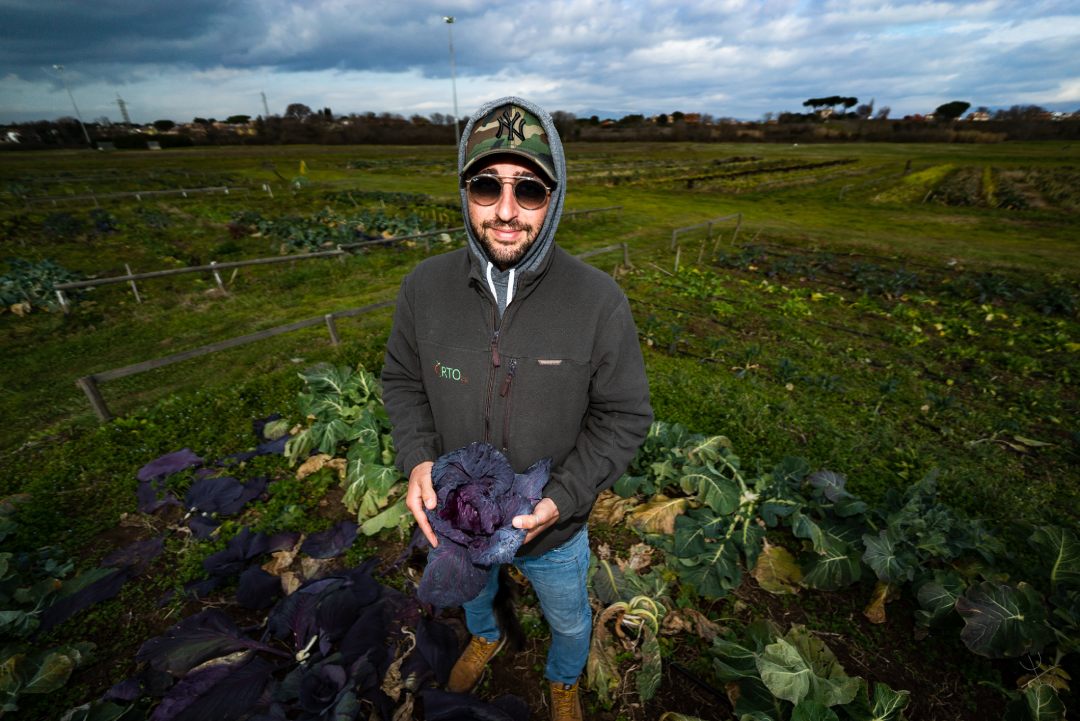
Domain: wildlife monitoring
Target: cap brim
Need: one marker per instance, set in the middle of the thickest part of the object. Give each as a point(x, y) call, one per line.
point(549, 172)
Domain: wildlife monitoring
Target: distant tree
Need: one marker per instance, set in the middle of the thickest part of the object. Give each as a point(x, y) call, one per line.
point(830, 101)
point(565, 122)
point(200, 121)
point(419, 120)
point(329, 116)
point(865, 110)
point(594, 120)
point(1021, 112)
point(661, 119)
point(883, 113)
point(678, 116)
point(767, 117)
point(297, 111)
point(238, 119)
point(164, 125)
point(440, 119)
point(951, 110)
point(630, 121)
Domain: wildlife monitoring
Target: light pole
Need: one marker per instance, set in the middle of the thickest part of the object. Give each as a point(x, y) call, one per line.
point(78, 115)
point(449, 20)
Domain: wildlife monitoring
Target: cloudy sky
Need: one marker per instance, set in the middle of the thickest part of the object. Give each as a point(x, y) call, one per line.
point(731, 58)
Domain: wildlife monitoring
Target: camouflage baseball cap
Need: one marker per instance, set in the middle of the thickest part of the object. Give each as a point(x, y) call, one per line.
point(510, 129)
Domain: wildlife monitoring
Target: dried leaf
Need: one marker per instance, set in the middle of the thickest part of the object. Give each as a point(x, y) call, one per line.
point(776, 571)
point(875, 610)
point(290, 582)
point(282, 560)
point(602, 669)
point(610, 509)
point(689, 620)
point(640, 558)
point(658, 515)
point(317, 462)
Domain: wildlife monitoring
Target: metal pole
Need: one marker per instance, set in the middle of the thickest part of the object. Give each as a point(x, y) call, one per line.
point(449, 20)
point(78, 115)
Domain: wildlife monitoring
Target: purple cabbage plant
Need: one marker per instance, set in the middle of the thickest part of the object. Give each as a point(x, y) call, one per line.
point(478, 496)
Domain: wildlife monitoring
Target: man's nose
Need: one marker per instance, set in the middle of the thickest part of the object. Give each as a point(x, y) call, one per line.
point(507, 206)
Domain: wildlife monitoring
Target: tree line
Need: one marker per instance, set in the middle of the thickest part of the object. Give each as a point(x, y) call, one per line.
point(832, 118)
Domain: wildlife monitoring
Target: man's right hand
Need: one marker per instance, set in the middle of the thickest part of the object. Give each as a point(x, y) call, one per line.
point(421, 495)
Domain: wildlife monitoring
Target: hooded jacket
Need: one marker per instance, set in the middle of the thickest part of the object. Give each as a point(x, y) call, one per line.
point(556, 374)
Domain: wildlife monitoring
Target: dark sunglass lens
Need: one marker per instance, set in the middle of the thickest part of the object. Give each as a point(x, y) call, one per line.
point(485, 190)
point(530, 194)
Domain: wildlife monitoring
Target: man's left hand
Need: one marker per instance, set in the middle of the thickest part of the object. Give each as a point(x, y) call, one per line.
point(544, 515)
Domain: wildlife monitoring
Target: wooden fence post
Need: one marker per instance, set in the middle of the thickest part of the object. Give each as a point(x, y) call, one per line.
point(678, 252)
point(134, 288)
point(716, 243)
point(626, 255)
point(217, 277)
point(63, 302)
point(332, 327)
point(89, 387)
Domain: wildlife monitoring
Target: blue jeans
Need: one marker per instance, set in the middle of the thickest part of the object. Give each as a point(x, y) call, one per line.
point(559, 579)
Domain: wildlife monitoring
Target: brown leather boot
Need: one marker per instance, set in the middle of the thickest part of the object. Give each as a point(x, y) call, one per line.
point(470, 665)
point(565, 702)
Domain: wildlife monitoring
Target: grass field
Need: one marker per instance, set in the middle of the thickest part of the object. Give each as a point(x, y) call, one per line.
point(884, 311)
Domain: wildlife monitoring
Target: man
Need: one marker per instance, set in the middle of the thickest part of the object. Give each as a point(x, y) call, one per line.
point(514, 342)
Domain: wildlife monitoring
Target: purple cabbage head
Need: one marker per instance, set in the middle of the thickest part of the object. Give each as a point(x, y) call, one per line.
point(478, 496)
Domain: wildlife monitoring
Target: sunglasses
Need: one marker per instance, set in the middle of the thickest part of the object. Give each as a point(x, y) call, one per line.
point(486, 189)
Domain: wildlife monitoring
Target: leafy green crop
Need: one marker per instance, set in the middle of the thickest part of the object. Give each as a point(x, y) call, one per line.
point(796, 676)
point(33, 285)
point(344, 409)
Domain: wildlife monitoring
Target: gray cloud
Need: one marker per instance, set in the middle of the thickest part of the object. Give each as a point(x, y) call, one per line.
point(728, 57)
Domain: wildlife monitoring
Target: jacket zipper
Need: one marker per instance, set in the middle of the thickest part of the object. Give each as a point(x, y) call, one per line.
point(495, 363)
point(505, 393)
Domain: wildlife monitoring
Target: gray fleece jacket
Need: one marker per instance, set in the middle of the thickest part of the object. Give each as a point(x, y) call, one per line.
point(558, 374)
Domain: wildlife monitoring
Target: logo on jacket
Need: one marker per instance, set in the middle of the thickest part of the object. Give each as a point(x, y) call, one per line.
point(450, 374)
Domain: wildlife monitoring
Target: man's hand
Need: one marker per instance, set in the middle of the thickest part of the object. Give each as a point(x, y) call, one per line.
point(544, 515)
point(421, 495)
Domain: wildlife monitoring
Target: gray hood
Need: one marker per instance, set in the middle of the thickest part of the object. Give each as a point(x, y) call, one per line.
point(503, 284)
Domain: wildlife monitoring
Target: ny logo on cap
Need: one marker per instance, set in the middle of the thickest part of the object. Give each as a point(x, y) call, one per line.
point(513, 125)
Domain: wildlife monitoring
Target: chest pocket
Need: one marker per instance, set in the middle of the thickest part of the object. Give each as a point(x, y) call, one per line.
point(546, 406)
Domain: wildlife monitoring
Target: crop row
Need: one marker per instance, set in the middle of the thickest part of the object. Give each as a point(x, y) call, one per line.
point(988, 187)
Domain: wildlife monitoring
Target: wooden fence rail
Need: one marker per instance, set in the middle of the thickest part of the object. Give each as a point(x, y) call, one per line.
point(89, 383)
point(139, 194)
point(709, 235)
point(214, 267)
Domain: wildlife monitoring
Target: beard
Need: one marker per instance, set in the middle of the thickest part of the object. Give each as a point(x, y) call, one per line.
point(502, 256)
